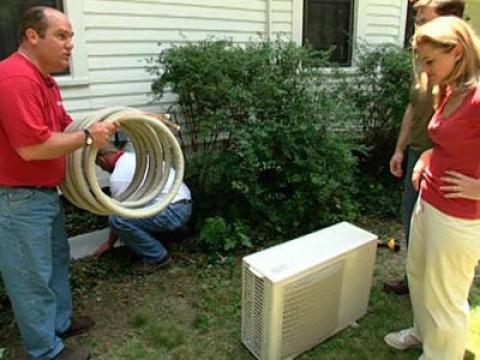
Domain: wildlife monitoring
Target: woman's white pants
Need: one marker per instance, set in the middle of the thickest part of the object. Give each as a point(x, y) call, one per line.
point(442, 256)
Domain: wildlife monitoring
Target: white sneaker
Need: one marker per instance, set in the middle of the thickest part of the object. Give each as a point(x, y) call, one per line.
point(402, 340)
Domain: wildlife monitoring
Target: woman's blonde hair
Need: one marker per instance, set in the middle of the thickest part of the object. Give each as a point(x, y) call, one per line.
point(446, 33)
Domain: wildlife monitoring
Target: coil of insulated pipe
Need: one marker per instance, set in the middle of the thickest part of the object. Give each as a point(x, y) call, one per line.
point(156, 151)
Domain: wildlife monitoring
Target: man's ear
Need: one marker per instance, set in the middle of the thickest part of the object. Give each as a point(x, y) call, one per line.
point(31, 36)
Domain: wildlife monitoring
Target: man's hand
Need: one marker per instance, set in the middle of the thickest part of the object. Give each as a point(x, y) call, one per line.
point(396, 164)
point(460, 186)
point(102, 132)
point(105, 247)
point(403, 138)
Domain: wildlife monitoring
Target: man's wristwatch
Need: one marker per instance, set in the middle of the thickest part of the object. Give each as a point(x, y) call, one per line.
point(88, 137)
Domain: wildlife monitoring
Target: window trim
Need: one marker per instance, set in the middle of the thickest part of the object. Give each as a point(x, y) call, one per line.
point(403, 24)
point(78, 75)
point(297, 31)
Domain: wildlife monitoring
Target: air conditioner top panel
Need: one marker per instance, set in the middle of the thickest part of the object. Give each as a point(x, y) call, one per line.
point(287, 259)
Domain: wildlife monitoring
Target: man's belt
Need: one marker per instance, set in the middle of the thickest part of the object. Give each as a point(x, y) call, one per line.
point(32, 187)
point(182, 201)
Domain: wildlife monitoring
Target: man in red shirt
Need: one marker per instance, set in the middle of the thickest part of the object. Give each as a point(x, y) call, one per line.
point(34, 252)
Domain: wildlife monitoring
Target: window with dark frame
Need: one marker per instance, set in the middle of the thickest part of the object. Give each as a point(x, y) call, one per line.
point(10, 14)
point(328, 25)
point(410, 26)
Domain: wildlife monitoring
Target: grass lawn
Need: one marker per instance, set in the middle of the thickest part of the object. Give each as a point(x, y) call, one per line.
point(192, 310)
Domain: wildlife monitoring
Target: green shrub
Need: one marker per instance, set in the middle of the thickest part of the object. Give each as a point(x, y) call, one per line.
point(262, 163)
point(79, 221)
point(216, 233)
point(379, 90)
point(378, 198)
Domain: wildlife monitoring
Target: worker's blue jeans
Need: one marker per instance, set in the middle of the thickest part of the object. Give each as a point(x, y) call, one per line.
point(136, 234)
point(410, 195)
point(34, 262)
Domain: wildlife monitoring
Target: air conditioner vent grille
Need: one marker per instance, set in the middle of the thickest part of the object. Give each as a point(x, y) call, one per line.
point(305, 321)
point(299, 293)
point(253, 312)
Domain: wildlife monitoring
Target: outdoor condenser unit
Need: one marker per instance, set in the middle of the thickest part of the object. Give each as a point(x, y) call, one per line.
point(301, 292)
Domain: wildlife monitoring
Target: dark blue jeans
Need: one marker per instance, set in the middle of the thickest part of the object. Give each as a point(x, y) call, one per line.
point(410, 195)
point(34, 262)
point(136, 234)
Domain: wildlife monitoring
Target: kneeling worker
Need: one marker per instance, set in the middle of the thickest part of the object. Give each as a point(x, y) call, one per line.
point(137, 234)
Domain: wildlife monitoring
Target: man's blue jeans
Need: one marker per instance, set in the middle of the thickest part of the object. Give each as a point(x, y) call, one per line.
point(136, 234)
point(34, 263)
point(410, 195)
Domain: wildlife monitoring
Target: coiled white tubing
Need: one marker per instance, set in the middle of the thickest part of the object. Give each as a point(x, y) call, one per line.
point(156, 150)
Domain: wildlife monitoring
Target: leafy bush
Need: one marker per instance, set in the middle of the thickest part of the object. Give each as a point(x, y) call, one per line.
point(216, 231)
point(79, 221)
point(379, 90)
point(378, 197)
point(380, 93)
point(262, 163)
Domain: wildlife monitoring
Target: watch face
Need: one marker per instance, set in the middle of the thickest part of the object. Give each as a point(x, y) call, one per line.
point(88, 138)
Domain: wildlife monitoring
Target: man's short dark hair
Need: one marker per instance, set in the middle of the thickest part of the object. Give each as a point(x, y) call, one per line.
point(33, 18)
point(450, 7)
point(444, 7)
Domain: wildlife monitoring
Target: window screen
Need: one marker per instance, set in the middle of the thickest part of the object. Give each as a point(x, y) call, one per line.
point(327, 25)
point(10, 14)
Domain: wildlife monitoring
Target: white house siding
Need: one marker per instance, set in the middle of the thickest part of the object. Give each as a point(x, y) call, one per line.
point(116, 36)
point(120, 34)
point(282, 18)
point(381, 21)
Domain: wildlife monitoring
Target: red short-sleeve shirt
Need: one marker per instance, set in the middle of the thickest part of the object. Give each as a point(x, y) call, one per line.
point(456, 142)
point(30, 110)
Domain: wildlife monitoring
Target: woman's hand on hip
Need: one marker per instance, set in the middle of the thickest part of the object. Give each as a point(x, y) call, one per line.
point(420, 167)
point(458, 185)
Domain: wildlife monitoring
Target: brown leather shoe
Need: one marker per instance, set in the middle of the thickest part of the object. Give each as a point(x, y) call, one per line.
point(144, 267)
point(82, 353)
point(78, 326)
point(396, 287)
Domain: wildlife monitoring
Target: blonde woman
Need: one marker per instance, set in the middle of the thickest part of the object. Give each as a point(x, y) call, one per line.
point(445, 230)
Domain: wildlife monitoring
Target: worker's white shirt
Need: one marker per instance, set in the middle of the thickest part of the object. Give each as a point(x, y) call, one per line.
point(123, 173)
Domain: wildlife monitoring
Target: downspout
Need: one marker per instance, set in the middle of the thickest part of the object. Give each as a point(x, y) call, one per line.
point(269, 20)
